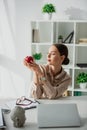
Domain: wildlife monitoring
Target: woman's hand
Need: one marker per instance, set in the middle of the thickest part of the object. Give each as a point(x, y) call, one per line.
point(33, 67)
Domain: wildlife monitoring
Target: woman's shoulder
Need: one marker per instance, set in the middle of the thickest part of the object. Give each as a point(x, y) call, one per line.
point(64, 72)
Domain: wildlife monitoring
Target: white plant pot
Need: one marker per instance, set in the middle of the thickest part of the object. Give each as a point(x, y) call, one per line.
point(83, 85)
point(47, 16)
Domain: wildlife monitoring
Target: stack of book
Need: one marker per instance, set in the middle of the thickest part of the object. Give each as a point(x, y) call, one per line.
point(77, 93)
point(83, 41)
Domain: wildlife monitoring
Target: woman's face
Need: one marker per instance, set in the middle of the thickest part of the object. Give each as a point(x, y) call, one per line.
point(54, 57)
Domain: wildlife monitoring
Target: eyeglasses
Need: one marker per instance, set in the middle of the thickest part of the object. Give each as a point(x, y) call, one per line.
point(25, 101)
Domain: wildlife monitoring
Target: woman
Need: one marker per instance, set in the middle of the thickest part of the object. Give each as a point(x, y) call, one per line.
point(50, 80)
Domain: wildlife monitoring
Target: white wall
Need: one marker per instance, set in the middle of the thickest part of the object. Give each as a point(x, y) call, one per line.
point(72, 9)
point(15, 17)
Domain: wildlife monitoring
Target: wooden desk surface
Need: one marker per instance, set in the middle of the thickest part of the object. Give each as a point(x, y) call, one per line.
point(31, 114)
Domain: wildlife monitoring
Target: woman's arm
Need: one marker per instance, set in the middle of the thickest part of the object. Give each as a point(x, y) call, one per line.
point(37, 91)
point(35, 87)
point(35, 78)
point(56, 91)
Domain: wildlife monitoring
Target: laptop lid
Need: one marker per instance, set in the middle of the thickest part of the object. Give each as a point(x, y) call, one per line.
point(57, 115)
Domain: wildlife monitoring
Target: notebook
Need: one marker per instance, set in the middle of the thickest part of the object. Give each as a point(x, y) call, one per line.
point(58, 115)
point(2, 121)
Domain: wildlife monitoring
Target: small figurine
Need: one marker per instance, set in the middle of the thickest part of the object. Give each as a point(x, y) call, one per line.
point(18, 116)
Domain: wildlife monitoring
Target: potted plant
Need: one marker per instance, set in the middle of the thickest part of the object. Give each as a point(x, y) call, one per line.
point(60, 39)
point(49, 9)
point(37, 56)
point(81, 79)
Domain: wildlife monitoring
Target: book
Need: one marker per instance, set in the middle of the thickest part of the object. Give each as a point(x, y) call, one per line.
point(2, 121)
point(35, 35)
point(82, 65)
point(83, 40)
point(77, 93)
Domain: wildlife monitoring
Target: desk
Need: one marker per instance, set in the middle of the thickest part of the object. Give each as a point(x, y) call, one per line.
point(31, 114)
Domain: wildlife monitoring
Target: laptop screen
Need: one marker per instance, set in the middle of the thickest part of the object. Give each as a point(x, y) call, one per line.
point(58, 115)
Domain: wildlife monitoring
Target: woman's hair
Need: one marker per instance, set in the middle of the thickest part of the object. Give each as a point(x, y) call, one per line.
point(63, 50)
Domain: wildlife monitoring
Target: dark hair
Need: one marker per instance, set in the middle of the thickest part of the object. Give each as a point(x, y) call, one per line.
point(63, 50)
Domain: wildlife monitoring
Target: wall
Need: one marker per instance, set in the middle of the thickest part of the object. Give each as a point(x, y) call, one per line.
point(70, 9)
point(15, 17)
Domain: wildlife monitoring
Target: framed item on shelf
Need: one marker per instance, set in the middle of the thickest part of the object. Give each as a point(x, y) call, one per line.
point(69, 38)
point(35, 35)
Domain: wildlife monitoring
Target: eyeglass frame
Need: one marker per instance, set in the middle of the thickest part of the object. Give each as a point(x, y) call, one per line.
point(23, 98)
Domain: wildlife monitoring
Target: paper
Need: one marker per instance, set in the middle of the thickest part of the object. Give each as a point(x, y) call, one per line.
point(26, 105)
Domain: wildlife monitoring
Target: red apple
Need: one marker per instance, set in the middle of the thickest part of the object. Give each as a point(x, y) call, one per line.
point(29, 59)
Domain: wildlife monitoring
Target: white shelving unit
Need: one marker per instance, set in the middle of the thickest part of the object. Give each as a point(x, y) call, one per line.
point(45, 33)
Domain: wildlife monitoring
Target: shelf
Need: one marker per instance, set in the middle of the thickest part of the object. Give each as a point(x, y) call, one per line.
point(44, 43)
point(80, 90)
point(69, 44)
point(80, 68)
point(81, 45)
point(67, 66)
point(70, 89)
point(48, 32)
point(74, 21)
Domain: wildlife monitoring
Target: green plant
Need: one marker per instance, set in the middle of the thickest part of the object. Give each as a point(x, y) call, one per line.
point(81, 78)
point(48, 8)
point(60, 37)
point(37, 56)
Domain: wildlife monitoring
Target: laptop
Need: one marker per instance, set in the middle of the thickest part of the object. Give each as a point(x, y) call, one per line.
point(58, 115)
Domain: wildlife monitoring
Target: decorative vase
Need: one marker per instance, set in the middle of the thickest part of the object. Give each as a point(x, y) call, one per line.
point(83, 85)
point(60, 41)
point(47, 16)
